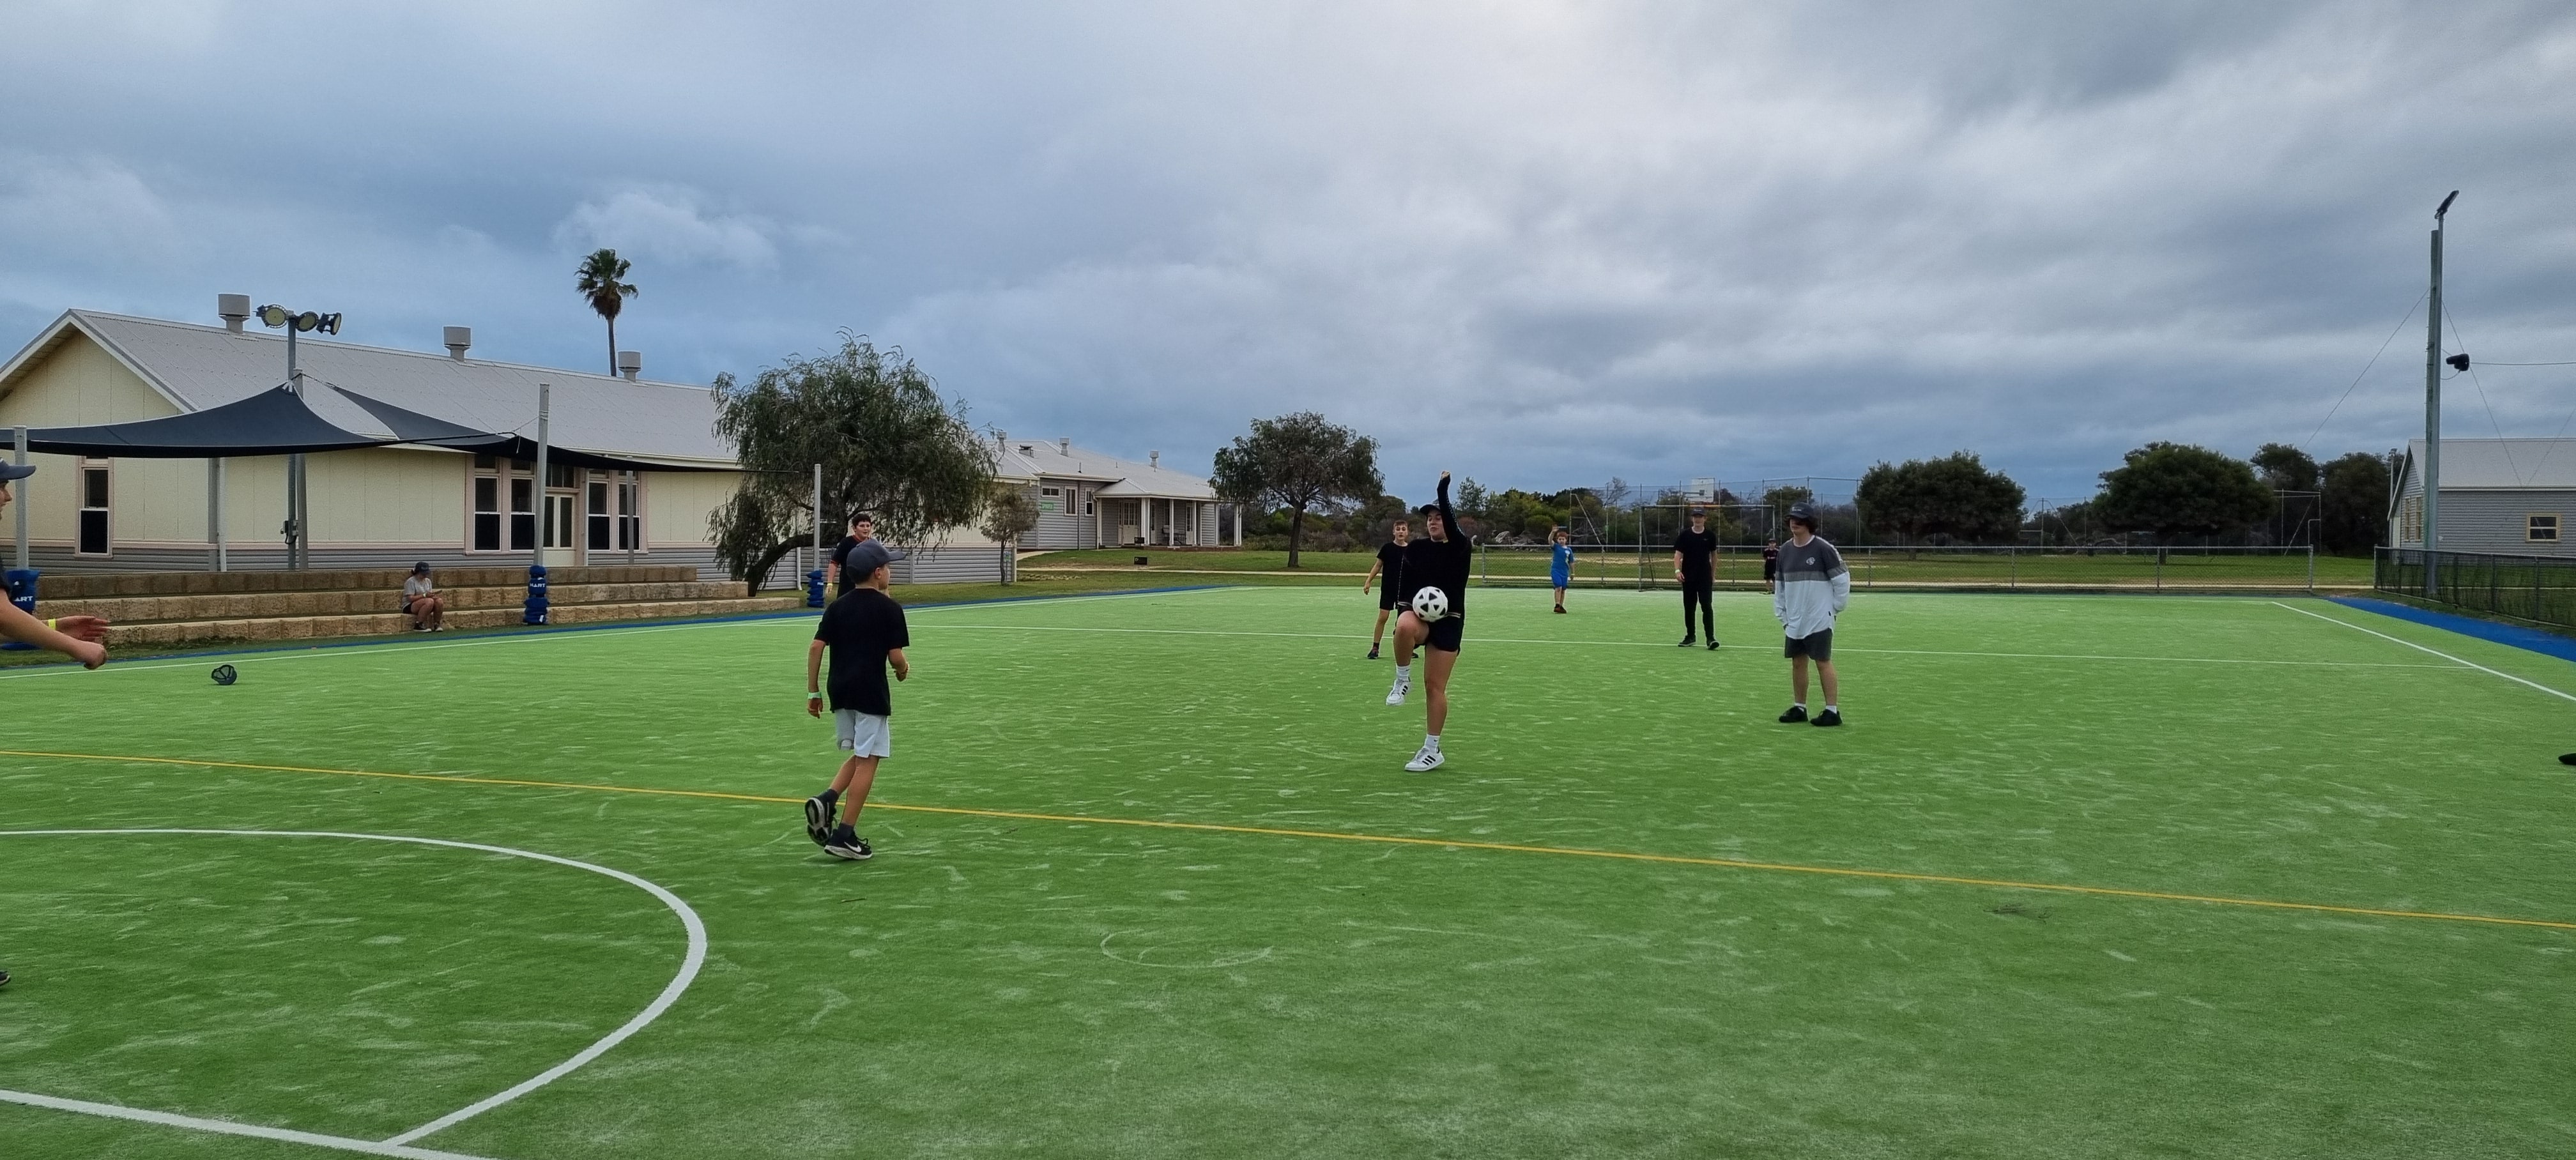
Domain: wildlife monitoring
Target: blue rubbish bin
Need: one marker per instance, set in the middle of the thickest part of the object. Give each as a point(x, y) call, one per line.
point(536, 607)
point(22, 592)
point(814, 589)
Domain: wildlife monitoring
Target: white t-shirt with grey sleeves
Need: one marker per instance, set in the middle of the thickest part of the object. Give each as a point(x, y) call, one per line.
point(1814, 587)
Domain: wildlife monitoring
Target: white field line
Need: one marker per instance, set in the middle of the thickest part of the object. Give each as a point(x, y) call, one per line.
point(326, 651)
point(2436, 652)
point(689, 964)
point(1654, 644)
point(227, 1127)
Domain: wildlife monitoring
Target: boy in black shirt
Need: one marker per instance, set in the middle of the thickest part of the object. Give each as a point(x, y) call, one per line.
point(1390, 561)
point(1440, 560)
point(865, 631)
point(1695, 565)
point(863, 528)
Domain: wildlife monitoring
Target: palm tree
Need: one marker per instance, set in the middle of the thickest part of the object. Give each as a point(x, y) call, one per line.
point(602, 285)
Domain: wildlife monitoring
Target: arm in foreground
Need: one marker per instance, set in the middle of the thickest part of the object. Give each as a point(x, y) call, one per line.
point(814, 680)
point(80, 644)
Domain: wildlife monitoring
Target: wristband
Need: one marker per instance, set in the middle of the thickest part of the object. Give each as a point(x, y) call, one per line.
point(54, 625)
point(812, 696)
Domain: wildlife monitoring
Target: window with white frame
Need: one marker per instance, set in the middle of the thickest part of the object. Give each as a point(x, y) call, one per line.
point(1050, 500)
point(2540, 527)
point(94, 492)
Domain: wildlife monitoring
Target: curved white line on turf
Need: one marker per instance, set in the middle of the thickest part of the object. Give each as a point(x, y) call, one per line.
point(227, 1127)
point(689, 963)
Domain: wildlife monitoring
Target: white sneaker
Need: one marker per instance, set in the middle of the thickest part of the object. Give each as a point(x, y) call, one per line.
point(1395, 696)
point(1427, 760)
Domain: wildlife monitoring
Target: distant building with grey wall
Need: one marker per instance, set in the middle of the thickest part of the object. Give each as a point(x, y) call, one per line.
point(2499, 496)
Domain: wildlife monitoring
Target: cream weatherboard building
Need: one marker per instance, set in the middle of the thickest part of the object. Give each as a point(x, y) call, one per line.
point(376, 507)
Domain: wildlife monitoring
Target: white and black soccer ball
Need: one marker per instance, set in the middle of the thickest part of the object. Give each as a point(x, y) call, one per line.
point(1431, 603)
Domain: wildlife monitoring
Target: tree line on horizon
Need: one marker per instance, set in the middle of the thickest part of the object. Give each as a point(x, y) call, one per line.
point(1311, 484)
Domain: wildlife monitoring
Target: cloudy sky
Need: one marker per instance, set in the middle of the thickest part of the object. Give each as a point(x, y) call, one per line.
point(1540, 244)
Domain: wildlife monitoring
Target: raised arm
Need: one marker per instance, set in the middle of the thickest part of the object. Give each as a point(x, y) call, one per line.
point(1447, 516)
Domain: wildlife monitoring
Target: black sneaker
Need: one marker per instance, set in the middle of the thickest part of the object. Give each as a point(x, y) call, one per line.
point(1828, 718)
point(1796, 714)
point(4, 978)
point(1560, 608)
point(818, 817)
point(1712, 646)
point(846, 843)
point(1372, 652)
point(2567, 759)
point(1689, 641)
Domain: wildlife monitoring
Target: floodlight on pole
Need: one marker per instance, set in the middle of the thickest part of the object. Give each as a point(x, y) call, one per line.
point(299, 549)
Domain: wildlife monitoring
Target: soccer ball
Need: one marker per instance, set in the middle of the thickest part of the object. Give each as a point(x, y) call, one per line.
point(1431, 603)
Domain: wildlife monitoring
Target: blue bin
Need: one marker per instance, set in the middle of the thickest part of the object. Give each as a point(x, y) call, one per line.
point(535, 612)
point(814, 589)
point(22, 592)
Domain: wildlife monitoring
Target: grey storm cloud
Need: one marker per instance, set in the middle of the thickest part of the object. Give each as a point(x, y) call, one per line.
point(1541, 245)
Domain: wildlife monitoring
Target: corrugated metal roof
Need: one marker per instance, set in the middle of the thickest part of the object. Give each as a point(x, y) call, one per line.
point(208, 366)
point(2501, 463)
point(1060, 459)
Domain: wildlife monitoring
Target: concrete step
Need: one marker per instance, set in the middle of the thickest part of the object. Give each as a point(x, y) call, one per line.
point(95, 585)
point(247, 605)
point(170, 632)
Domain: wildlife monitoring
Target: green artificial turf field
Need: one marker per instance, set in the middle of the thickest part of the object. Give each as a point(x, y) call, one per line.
point(1408, 965)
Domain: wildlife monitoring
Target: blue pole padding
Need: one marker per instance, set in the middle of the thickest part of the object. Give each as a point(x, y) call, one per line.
point(536, 608)
point(22, 592)
point(814, 589)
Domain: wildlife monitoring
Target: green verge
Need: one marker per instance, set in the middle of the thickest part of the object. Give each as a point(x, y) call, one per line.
point(993, 986)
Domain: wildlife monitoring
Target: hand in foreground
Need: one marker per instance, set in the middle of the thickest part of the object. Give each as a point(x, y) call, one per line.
point(90, 654)
point(89, 628)
point(813, 706)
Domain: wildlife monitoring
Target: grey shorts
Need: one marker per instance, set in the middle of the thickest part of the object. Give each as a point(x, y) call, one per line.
point(1816, 646)
point(863, 734)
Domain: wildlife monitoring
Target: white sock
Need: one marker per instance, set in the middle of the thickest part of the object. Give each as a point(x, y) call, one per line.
point(1800, 706)
point(1832, 709)
point(1431, 741)
point(1403, 674)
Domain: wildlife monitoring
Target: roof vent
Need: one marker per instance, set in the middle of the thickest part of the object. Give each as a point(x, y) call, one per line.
point(1064, 446)
point(630, 363)
point(1028, 449)
point(459, 339)
point(1153, 459)
point(235, 309)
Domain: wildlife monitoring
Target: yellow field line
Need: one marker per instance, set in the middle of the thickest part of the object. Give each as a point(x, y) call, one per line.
point(1380, 839)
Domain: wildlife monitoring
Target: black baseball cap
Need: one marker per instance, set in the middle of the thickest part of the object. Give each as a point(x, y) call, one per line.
point(1803, 513)
point(419, 568)
point(870, 555)
point(10, 471)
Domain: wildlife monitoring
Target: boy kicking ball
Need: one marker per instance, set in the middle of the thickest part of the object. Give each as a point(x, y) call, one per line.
point(1812, 589)
point(865, 632)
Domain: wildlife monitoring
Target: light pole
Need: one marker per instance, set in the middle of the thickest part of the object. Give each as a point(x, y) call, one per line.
point(299, 549)
point(2433, 408)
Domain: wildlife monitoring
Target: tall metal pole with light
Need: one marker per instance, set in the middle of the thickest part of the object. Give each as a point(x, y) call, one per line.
point(299, 548)
point(2433, 408)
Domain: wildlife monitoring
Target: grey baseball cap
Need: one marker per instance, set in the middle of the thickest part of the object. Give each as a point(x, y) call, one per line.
point(10, 471)
point(869, 555)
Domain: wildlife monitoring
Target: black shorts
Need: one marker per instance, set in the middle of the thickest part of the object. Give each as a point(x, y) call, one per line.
point(1819, 646)
point(1387, 601)
point(1446, 632)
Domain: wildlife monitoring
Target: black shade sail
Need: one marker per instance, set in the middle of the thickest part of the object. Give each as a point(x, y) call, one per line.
point(413, 427)
point(272, 422)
